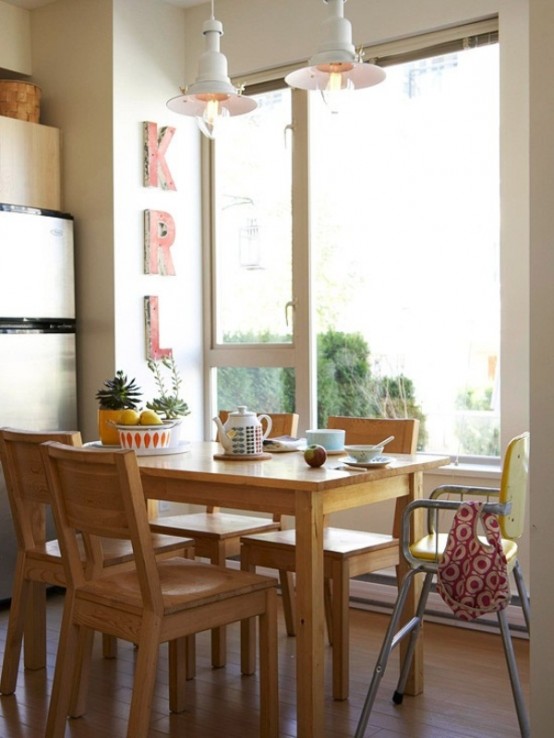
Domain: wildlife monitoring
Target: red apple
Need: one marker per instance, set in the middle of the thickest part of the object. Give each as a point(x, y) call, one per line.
point(315, 455)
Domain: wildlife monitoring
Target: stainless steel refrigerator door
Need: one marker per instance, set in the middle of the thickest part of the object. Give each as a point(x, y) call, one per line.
point(38, 384)
point(37, 392)
point(36, 266)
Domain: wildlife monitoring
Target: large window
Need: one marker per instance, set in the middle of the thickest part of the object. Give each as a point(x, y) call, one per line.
point(253, 228)
point(398, 257)
point(405, 242)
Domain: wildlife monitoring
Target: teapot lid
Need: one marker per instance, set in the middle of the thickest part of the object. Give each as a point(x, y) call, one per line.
point(242, 410)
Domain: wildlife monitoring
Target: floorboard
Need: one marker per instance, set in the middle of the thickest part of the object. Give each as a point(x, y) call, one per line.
point(467, 692)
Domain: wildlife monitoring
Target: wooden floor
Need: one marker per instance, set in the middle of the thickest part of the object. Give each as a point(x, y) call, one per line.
point(467, 691)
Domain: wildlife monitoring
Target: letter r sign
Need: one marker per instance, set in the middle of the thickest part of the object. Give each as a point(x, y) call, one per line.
point(159, 235)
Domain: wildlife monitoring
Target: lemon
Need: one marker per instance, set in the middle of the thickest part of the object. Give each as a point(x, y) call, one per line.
point(149, 417)
point(129, 417)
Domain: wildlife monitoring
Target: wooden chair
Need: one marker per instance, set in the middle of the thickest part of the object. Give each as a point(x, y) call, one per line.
point(346, 553)
point(99, 493)
point(425, 554)
point(39, 561)
point(217, 534)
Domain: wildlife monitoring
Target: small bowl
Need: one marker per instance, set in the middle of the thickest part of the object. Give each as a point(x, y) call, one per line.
point(330, 438)
point(141, 437)
point(363, 453)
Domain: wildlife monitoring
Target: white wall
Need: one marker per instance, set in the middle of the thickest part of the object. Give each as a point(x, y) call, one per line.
point(106, 67)
point(15, 39)
point(72, 63)
point(148, 69)
point(542, 360)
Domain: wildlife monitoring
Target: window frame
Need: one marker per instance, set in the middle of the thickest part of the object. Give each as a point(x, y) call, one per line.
point(471, 35)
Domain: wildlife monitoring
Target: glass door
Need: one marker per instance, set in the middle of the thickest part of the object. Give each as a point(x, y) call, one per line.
point(258, 333)
point(404, 185)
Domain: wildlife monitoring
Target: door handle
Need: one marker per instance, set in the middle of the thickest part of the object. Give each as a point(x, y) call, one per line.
point(290, 305)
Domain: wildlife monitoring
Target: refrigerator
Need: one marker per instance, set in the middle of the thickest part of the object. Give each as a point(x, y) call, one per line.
point(38, 388)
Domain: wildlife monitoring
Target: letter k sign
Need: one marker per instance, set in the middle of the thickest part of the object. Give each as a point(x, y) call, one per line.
point(156, 171)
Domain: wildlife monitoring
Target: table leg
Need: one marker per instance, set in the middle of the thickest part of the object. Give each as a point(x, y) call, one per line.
point(219, 637)
point(414, 685)
point(310, 615)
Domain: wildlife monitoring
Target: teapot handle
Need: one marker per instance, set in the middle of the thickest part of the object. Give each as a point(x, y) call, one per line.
point(269, 424)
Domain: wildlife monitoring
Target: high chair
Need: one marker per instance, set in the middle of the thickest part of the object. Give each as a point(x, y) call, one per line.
point(424, 556)
point(346, 553)
point(99, 493)
point(217, 534)
point(39, 561)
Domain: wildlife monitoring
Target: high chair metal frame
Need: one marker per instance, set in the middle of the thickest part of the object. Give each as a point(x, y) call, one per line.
point(425, 555)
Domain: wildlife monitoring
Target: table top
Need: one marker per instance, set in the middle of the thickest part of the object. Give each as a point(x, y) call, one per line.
point(283, 470)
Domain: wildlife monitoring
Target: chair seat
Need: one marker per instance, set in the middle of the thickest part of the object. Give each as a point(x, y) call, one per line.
point(214, 525)
point(337, 542)
point(116, 551)
point(429, 546)
point(217, 538)
point(185, 583)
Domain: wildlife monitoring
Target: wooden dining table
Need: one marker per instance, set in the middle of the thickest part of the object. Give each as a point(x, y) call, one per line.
point(283, 484)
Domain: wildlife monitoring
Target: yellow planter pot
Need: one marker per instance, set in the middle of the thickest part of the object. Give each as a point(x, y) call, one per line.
point(107, 432)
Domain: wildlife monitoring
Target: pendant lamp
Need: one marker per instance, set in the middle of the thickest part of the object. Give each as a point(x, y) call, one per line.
point(336, 66)
point(212, 97)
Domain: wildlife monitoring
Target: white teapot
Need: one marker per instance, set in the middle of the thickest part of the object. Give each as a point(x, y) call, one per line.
point(242, 434)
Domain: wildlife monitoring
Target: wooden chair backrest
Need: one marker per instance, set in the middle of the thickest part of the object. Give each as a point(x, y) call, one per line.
point(99, 494)
point(282, 424)
point(26, 480)
point(373, 430)
point(513, 485)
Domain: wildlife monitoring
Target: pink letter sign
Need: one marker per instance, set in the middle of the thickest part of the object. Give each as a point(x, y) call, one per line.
point(152, 324)
point(156, 171)
point(159, 235)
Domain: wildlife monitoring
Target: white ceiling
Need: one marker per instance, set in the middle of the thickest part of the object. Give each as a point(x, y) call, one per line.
point(31, 4)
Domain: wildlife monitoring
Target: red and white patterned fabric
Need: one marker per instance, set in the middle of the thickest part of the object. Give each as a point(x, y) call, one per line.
point(472, 576)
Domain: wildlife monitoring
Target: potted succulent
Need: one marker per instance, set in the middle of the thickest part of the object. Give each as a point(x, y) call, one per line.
point(168, 403)
point(115, 395)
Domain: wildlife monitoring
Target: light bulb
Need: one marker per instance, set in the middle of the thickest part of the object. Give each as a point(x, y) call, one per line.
point(333, 80)
point(214, 111)
point(334, 84)
point(336, 76)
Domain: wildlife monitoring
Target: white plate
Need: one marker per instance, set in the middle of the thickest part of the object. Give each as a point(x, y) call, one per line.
point(180, 449)
point(282, 444)
point(278, 449)
point(375, 462)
